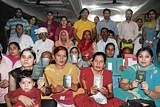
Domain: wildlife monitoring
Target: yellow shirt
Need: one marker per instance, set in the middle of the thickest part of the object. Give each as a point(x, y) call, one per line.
point(81, 26)
point(54, 75)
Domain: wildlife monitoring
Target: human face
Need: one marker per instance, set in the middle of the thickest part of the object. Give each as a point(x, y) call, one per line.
point(144, 59)
point(152, 15)
point(74, 51)
point(84, 14)
point(19, 30)
point(87, 35)
point(106, 15)
point(27, 59)
point(50, 16)
point(139, 23)
point(43, 36)
point(128, 15)
point(18, 13)
point(126, 51)
point(63, 36)
point(98, 63)
point(32, 20)
point(13, 50)
point(96, 20)
point(61, 58)
point(26, 84)
point(104, 34)
point(110, 51)
point(64, 21)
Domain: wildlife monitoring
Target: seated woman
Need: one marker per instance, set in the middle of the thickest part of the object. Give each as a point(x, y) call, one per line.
point(141, 81)
point(64, 40)
point(62, 77)
point(88, 83)
point(13, 52)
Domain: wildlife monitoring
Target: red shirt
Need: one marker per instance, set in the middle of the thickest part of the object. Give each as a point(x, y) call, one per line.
point(34, 94)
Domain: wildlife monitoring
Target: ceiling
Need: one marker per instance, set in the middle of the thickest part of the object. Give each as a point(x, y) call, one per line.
point(71, 8)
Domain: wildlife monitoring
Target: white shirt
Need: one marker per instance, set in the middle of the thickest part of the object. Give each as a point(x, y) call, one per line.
point(42, 46)
point(127, 30)
point(25, 41)
point(101, 46)
point(5, 68)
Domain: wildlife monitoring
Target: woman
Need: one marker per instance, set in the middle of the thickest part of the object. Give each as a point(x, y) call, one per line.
point(141, 81)
point(14, 52)
point(91, 88)
point(64, 40)
point(83, 24)
point(110, 50)
point(34, 26)
point(55, 75)
point(150, 33)
point(64, 26)
point(87, 46)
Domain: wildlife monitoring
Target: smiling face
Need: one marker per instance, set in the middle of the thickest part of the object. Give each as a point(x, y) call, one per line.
point(26, 84)
point(98, 63)
point(144, 59)
point(27, 59)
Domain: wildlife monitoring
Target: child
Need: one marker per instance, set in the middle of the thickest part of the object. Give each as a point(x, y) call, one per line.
point(26, 89)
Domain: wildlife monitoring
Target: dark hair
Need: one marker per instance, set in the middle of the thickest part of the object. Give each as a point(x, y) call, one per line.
point(29, 49)
point(84, 10)
point(15, 43)
point(129, 10)
point(104, 28)
point(0, 55)
point(64, 17)
point(139, 19)
point(57, 49)
point(106, 9)
point(97, 54)
point(110, 31)
point(149, 50)
point(34, 17)
point(74, 48)
point(97, 17)
point(16, 9)
point(49, 12)
point(153, 10)
point(24, 74)
point(18, 24)
point(108, 44)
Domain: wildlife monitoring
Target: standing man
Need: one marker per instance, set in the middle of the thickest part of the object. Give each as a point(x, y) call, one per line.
point(51, 25)
point(106, 23)
point(11, 24)
point(127, 30)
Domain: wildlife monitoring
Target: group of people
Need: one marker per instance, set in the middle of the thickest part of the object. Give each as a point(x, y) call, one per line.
point(65, 66)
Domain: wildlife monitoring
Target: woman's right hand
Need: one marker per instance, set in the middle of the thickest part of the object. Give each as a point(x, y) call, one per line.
point(26, 101)
point(93, 90)
point(135, 84)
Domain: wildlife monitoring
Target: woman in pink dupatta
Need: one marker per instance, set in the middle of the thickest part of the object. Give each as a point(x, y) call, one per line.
point(64, 40)
point(87, 83)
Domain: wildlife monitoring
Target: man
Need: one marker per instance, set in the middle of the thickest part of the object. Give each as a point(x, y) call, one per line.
point(25, 41)
point(51, 25)
point(107, 23)
point(105, 40)
point(5, 68)
point(11, 24)
point(43, 44)
point(128, 30)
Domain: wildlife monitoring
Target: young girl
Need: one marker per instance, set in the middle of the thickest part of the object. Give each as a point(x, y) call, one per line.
point(26, 89)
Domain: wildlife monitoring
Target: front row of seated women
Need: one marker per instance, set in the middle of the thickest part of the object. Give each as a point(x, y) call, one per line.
point(70, 87)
